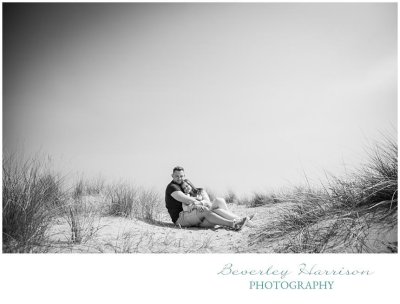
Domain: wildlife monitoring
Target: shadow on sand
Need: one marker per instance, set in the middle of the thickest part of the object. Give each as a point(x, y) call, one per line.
point(173, 226)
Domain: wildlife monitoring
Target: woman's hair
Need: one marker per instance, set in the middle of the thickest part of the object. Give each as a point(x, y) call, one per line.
point(182, 184)
point(194, 189)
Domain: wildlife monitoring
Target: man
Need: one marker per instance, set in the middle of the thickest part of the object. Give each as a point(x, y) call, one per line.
point(199, 215)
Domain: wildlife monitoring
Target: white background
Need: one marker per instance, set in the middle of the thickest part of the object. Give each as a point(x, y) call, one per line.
point(190, 278)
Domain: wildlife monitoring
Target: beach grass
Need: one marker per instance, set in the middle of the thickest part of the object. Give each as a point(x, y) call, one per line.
point(352, 213)
point(32, 196)
point(82, 215)
point(133, 202)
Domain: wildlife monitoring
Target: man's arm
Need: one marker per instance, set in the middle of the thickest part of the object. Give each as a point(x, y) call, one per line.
point(183, 198)
point(188, 200)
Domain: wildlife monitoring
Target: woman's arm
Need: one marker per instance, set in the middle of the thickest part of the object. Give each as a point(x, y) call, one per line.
point(185, 199)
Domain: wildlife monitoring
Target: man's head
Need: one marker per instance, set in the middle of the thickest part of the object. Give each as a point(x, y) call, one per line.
point(178, 175)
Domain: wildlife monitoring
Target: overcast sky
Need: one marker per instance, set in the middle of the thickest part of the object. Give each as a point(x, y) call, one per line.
point(246, 97)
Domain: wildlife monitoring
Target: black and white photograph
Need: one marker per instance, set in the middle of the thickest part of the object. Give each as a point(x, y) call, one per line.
point(202, 131)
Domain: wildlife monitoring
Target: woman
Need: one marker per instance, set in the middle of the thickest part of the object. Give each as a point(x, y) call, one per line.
point(217, 206)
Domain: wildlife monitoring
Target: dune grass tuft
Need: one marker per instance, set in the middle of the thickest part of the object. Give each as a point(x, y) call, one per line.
point(83, 216)
point(349, 214)
point(31, 198)
point(133, 202)
point(231, 197)
point(259, 199)
point(83, 221)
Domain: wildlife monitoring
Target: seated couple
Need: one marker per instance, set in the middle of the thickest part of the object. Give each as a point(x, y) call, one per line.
point(191, 207)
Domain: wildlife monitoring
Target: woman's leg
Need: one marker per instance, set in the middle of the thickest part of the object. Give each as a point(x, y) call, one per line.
point(220, 207)
point(219, 203)
point(215, 219)
point(206, 224)
point(226, 214)
point(211, 219)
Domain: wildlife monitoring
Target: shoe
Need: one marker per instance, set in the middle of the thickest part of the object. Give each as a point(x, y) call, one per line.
point(237, 226)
